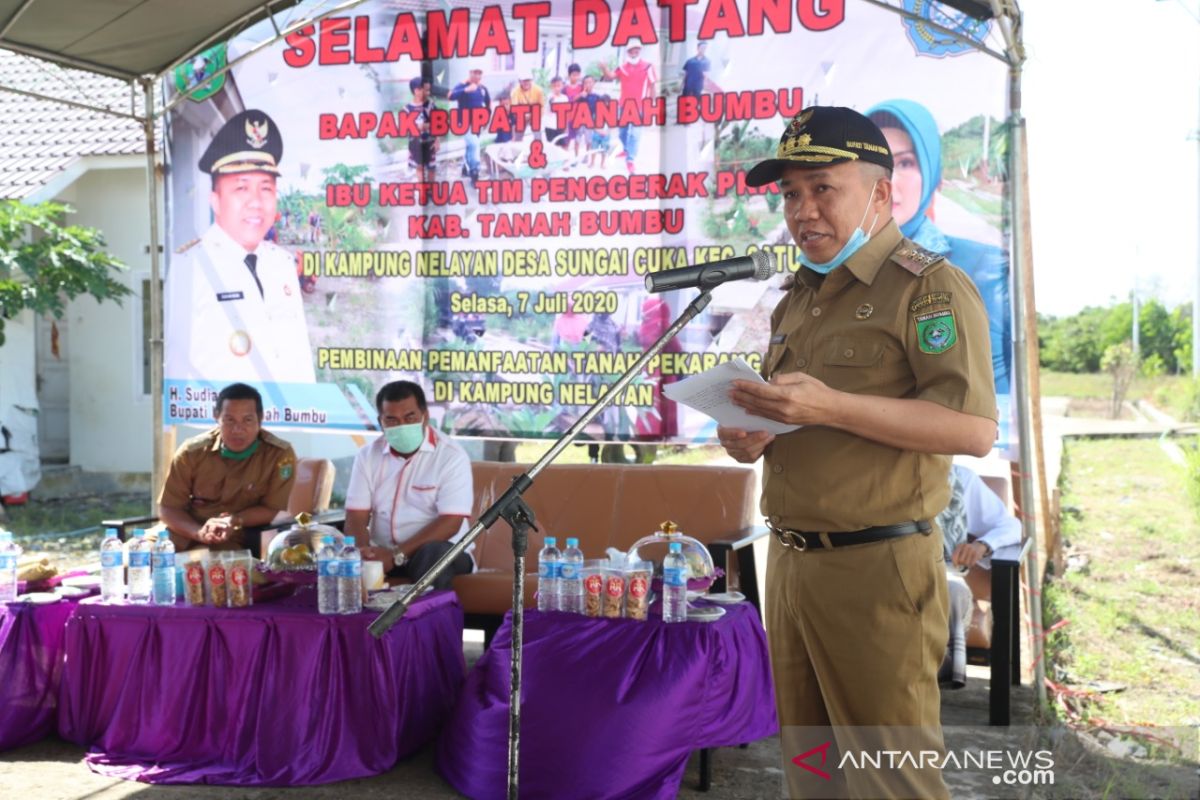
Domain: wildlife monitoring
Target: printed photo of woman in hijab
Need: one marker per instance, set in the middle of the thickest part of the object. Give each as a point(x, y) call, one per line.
point(916, 145)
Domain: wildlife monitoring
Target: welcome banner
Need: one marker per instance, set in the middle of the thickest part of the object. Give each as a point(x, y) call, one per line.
point(473, 197)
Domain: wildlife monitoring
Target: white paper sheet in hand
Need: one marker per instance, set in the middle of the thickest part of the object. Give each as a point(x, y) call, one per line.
point(709, 392)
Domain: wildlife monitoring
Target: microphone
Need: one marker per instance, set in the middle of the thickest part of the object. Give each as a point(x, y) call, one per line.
point(759, 266)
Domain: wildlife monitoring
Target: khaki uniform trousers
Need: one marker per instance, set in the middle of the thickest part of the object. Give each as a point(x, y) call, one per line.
point(856, 636)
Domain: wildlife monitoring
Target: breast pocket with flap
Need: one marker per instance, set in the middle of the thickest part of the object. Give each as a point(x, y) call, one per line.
point(851, 363)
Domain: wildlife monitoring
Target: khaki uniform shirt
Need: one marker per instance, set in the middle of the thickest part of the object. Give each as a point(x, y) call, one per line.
point(205, 485)
point(893, 321)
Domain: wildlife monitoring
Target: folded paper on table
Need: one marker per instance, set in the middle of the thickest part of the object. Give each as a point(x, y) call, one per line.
point(708, 392)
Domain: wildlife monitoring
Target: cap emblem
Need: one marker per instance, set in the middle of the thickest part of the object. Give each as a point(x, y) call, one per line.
point(257, 133)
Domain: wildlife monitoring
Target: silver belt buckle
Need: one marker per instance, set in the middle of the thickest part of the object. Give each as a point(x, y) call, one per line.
point(789, 539)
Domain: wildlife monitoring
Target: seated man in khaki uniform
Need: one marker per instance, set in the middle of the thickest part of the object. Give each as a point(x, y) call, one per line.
point(879, 350)
point(234, 477)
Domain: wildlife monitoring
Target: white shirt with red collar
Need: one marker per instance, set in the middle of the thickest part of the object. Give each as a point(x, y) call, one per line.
point(406, 494)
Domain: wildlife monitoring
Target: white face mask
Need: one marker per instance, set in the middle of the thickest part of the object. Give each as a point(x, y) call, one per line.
point(852, 245)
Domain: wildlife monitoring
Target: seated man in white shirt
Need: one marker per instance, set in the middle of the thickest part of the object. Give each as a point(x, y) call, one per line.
point(973, 509)
point(410, 490)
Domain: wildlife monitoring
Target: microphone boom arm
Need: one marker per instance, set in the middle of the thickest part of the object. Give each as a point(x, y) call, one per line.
point(521, 483)
point(511, 506)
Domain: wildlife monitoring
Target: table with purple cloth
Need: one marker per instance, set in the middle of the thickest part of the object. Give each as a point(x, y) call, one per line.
point(272, 695)
point(610, 708)
point(31, 658)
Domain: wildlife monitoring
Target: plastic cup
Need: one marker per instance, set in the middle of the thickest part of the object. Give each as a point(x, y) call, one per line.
point(637, 581)
point(373, 575)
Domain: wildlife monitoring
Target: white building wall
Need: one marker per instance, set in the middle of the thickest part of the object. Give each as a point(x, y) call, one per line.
point(17, 373)
point(110, 412)
point(19, 469)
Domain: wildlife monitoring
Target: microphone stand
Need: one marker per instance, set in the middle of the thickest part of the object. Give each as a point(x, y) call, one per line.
point(512, 508)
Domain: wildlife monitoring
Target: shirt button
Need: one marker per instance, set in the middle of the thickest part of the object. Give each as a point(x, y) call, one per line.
point(816, 312)
point(777, 469)
point(802, 362)
point(849, 352)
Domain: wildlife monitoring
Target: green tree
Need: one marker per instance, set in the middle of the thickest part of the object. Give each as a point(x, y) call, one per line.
point(1119, 362)
point(1072, 344)
point(1157, 333)
point(1181, 323)
point(44, 264)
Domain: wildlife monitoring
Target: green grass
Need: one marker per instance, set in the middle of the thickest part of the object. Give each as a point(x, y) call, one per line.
point(1167, 392)
point(73, 514)
point(1132, 598)
point(65, 530)
point(1071, 384)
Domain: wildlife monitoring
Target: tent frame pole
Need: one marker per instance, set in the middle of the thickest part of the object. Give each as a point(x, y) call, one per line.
point(156, 305)
point(1023, 309)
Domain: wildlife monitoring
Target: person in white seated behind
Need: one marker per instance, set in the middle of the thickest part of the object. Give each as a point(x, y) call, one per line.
point(973, 509)
point(410, 490)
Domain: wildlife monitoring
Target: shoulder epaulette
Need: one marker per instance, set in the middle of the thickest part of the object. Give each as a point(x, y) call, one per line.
point(275, 441)
point(914, 258)
point(201, 441)
point(184, 248)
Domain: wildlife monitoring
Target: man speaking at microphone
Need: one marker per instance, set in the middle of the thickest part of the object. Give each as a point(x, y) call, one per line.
point(879, 349)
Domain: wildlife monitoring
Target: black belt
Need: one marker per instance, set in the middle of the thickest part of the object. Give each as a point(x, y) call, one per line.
point(806, 540)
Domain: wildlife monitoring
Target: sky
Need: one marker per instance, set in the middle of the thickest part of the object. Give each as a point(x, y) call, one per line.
point(1112, 107)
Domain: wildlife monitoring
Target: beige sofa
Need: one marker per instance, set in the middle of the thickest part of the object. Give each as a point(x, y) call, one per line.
point(610, 505)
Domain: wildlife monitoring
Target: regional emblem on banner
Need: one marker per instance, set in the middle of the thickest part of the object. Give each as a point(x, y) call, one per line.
point(936, 41)
point(190, 78)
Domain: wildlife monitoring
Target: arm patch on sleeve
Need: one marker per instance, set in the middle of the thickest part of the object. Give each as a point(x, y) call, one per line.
point(936, 331)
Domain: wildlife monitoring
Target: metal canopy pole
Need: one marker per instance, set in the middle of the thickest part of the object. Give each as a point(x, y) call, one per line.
point(1023, 309)
point(156, 320)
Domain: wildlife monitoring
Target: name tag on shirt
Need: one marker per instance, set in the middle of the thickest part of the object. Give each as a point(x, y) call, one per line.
point(777, 339)
point(225, 297)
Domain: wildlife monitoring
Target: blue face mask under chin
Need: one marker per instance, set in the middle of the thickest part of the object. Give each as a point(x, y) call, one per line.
point(852, 245)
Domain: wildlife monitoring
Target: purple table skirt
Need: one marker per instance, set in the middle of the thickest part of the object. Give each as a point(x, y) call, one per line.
point(274, 695)
point(31, 658)
point(610, 708)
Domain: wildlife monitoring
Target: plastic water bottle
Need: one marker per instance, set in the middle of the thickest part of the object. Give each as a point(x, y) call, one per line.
point(9, 551)
point(112, 568)
point(548, 572)
point(349, 591)
point(327, 577)
point(139, 568)
point(570, 578)
point(163, 564)
point(675, 575)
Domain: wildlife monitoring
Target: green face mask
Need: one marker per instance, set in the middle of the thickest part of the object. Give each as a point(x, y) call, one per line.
point(405, 438)
point(242, 456)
